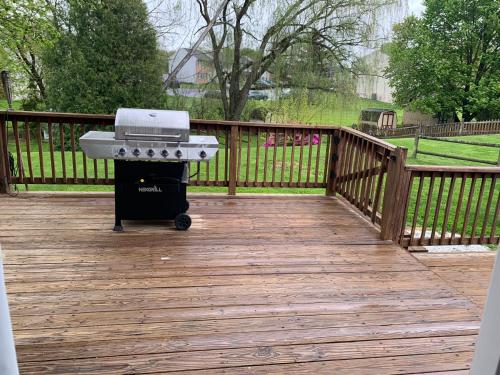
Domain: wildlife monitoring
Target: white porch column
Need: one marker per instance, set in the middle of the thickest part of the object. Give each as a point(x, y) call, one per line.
point(487, 356)
point(8, 360)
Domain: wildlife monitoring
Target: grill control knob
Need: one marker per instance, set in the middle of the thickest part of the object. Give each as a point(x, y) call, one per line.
point(151, 153)
point(121, 152)
point(178, 153)
point(136, 152)
point(164, 153)
point(203, 154)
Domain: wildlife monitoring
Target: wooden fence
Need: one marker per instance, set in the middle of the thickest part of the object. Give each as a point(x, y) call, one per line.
point(369, 173)
point(455, 156)
point(437, 130)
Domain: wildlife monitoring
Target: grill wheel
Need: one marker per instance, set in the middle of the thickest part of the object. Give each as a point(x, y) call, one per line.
point(182, 221)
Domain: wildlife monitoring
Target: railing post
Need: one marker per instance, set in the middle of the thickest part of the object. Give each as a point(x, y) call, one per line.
point(395, 195)
point(415, 143)
point(333, 166)
point(233, 160)
point(4, 159)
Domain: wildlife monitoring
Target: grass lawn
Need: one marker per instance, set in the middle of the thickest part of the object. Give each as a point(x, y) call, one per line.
point(4, 105)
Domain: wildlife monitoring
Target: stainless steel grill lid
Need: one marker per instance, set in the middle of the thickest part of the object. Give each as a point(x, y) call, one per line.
point(149, 135)
point(152, 125)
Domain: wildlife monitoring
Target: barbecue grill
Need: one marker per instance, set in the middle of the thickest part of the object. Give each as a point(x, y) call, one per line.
point(151, 151)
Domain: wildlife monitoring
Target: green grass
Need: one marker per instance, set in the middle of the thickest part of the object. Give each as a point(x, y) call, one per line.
point(16, 105)
point(478, 152)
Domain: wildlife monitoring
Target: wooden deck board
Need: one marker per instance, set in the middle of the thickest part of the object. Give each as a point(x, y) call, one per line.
point(469, 273)
point(258, 285)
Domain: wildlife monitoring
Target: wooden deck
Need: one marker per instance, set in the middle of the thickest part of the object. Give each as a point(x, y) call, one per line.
point(294, 285)
point(469, 273)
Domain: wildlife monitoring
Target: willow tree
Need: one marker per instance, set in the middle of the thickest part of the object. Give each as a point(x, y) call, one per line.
point(273, 28)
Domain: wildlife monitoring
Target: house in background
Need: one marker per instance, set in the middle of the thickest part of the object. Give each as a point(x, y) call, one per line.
point(198, 69)
point(373, 84)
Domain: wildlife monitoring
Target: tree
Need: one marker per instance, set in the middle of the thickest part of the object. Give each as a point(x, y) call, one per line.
point(446, 62)
point(272, 28)
point(106, 57)
point(26, 28)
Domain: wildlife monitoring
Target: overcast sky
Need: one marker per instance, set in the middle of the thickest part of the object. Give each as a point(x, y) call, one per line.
point(416, 6)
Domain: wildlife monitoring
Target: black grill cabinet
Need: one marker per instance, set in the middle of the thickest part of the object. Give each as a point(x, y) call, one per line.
point(151, 191)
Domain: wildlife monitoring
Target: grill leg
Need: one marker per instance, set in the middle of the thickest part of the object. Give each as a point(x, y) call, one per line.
point(118, 219)
point(118, 225)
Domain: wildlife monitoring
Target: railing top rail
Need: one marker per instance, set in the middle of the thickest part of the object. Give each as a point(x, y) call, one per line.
point(102, 117)
point(370, 138)
point(454, 169)
point(263, 124)
point(59, 115)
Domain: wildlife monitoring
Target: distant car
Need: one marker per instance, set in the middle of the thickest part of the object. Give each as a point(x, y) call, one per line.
point(212, 94)
point(262, 84)
point(257, 95)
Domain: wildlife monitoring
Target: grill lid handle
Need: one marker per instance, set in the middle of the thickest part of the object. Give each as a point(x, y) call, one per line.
point(127, 134)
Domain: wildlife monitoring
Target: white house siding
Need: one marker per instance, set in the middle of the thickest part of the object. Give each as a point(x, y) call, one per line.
point(188, 72)
point(374, 85)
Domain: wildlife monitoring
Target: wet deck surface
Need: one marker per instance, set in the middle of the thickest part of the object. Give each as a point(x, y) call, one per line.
point(258, 285)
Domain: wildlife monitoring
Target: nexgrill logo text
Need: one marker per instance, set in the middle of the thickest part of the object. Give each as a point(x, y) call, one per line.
point(154, 189)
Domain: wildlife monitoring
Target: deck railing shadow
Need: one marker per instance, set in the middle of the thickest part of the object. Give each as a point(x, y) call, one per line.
point(368, 173)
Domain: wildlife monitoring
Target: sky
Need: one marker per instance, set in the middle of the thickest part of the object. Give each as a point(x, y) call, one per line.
point(416, 6)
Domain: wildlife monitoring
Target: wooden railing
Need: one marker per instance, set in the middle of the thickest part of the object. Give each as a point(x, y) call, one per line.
point(450, 205)
point(46, 151)
point(437, 130)
point(412, 205)
point(362, 171)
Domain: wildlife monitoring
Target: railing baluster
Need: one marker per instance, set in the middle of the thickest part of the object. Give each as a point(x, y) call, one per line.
point(52, 156)
point(318, 157)
point(488, 208)
point(438, 208)
point(478, 208)
point(359, 174)
point(467, 209)
point(309, 158)
point(28, 149)
point(449, 202)
point(207, 163)
point(73, 151)
point(266, 151)
point(247, 169)
point(292, 158)
point(301, 154)
point(63, 151)
point(40, 151)
point(275, 150)
point(329, 139)
point(427, 209)
point(257, 156)
point(283, 159)
point(96, 168)
point(459, 207)
point(217, 158)
point(240, 141)
point(417, 208)
point(20, 166)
